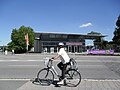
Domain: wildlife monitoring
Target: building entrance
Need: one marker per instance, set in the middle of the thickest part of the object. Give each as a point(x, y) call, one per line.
point(74, 49)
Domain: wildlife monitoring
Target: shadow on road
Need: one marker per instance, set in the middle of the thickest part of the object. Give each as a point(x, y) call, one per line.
point(36, 82)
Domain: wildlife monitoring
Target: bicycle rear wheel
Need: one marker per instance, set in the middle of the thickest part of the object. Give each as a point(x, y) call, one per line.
point(72, 78)
point(45, 76)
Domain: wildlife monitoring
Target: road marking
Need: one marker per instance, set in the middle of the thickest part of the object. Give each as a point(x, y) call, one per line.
point(84, 61)
point(44, 60)
point(101, 80)
point(15, 79)
point(19, 60)
point(91, 65)
point(24, 65)
point(33, 60)
point(14, 60)
point(27, 79)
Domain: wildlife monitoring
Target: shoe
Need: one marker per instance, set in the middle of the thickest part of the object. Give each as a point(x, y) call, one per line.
point(60, 82)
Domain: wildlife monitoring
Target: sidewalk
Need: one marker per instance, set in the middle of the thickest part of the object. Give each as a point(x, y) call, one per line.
point(84, 85)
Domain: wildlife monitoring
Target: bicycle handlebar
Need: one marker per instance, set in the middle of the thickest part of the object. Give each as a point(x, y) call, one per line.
point(50, 63)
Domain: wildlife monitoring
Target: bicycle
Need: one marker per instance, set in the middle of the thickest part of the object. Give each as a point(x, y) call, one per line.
point(72, 76)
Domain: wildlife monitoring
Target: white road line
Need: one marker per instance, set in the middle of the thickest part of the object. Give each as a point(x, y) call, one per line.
point(24, 65)
point(27, 79)
point(14, 60)
point(43, 60)
point(34, 60)
point(19, 60)
point(14, 79)
point(91, 65)
point(102, 80)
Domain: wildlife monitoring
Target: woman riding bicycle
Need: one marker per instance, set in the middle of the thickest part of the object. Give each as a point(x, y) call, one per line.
point(62, 54)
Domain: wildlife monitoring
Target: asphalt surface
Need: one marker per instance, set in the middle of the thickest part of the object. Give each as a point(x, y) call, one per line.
point(17, 71)
point(84, 85)
point(11, 84)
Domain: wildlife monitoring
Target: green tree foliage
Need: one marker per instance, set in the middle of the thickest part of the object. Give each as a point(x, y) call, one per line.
point(116, 38)
point(118, 22)
point(18, 42)
point(94, 33)
point(100, 43)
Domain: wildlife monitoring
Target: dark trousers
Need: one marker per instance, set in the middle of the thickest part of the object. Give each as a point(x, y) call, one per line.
point(62, 67)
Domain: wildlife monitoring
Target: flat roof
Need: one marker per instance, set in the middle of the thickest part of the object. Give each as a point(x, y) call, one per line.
point(87, 35)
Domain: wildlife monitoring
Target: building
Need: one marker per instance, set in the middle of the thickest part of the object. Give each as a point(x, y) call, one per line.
point(74, 43)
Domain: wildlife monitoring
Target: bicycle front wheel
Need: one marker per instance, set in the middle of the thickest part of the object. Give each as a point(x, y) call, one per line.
point(45, 76)
point(73, 78)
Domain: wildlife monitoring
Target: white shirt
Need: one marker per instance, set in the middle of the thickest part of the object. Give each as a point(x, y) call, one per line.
point(63, 56)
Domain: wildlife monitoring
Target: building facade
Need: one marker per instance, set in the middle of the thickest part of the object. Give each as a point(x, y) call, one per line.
point(48, 42)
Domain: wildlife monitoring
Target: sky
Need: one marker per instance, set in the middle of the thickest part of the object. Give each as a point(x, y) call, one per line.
point(65, 16)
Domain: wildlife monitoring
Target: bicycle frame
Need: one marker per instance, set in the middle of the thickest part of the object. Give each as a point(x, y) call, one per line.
point(54, 71)
point(51, 67)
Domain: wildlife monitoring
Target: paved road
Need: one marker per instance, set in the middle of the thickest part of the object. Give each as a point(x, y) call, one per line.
point(11, 84)
point(26, 67)
point(91, 67)
point(84, 85)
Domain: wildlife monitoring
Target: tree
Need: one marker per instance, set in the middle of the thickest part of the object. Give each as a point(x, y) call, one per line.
point(94, 33)
point(18, 42)
point(100, 43)
point(116, 38)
